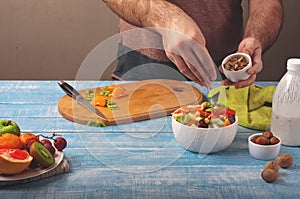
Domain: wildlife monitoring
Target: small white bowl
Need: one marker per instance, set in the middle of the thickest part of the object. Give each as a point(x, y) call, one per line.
point(263, 152)
point(238, 75)
point(204, 140)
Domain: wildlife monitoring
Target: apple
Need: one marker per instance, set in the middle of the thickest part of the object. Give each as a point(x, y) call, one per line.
point(9, 126)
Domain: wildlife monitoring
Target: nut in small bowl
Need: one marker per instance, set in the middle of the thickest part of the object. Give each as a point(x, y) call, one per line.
point(263, 147)
point(235, 66)
point(198, 136)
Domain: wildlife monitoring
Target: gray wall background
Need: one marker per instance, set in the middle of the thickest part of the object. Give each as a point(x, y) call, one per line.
point(49, 39)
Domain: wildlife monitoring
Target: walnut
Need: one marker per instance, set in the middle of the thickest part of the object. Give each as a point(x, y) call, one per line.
point(272, 165)
point(269, 175)
point(285, 160)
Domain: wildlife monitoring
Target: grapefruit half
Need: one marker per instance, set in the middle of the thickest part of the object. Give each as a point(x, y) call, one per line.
point(14, 161)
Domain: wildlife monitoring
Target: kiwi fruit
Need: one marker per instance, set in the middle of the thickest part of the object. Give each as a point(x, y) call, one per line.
point(41, 155)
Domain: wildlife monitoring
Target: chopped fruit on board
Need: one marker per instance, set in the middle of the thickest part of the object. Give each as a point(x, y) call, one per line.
point(103, 96)
point(99, 101)
point(119, 92)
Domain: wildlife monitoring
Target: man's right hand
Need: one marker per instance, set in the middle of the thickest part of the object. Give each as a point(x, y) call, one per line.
point(183, 41)
point(190, 55)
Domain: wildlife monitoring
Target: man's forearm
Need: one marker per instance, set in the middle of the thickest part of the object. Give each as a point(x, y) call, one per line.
point(265, 20)
point(143, 13)
point(159, 14)
point(147, 13)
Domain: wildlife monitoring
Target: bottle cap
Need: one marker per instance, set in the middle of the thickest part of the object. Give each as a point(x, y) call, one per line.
point(293, 64)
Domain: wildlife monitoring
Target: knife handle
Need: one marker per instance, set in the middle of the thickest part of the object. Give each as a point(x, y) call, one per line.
point(69, 90)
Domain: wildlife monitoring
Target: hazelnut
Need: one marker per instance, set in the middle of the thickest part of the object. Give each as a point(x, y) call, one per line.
point(274, 140)
point(267, 134)
point(269, 175)
point(262, 140)
point(272, 165)
point(285, 160)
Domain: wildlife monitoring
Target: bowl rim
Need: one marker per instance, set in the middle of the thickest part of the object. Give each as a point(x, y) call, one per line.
point(235, 54)
point(260, 145)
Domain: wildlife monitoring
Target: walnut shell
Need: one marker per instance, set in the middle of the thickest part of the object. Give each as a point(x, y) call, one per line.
point(269, 175)
point(285, 160)
point(272, 165)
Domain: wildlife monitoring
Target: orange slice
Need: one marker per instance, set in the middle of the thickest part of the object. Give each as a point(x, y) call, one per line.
point(100, 101)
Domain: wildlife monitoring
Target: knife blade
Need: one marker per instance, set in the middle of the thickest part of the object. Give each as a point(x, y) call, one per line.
point(72, 92)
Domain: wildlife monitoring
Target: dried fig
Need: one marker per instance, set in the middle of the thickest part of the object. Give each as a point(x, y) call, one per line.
point(262, 140)
point(267, 134)
point(274, 140)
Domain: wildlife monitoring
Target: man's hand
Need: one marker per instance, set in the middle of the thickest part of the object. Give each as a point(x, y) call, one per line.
point(185, 45)
point(183, 41)
point(262, 29)
point(252, 47)
point(191, 58)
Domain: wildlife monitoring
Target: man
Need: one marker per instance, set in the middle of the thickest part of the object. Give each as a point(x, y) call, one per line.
point(185, 34)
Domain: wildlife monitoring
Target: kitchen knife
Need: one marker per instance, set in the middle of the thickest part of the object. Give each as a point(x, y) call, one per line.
point(69, 90)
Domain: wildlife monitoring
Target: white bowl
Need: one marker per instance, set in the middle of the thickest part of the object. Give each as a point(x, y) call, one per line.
point(263, 152)
point(238, 75)
point(204, 140)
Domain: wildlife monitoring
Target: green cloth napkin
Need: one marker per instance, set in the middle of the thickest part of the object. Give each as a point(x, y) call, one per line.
point(252, 104)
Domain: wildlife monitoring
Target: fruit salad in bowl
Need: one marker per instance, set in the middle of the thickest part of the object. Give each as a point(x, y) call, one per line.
point(205, 115)
point(204, 128)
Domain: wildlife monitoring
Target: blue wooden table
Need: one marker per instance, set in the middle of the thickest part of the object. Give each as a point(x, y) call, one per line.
point(136, 160)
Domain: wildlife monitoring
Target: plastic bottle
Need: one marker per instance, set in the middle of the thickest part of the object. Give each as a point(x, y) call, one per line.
point(285, 121)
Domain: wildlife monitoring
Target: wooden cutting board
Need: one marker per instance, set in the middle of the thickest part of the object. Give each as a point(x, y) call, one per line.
point(146, 99)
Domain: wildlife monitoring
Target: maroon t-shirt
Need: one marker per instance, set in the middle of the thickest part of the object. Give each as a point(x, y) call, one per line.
point(221, 22)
